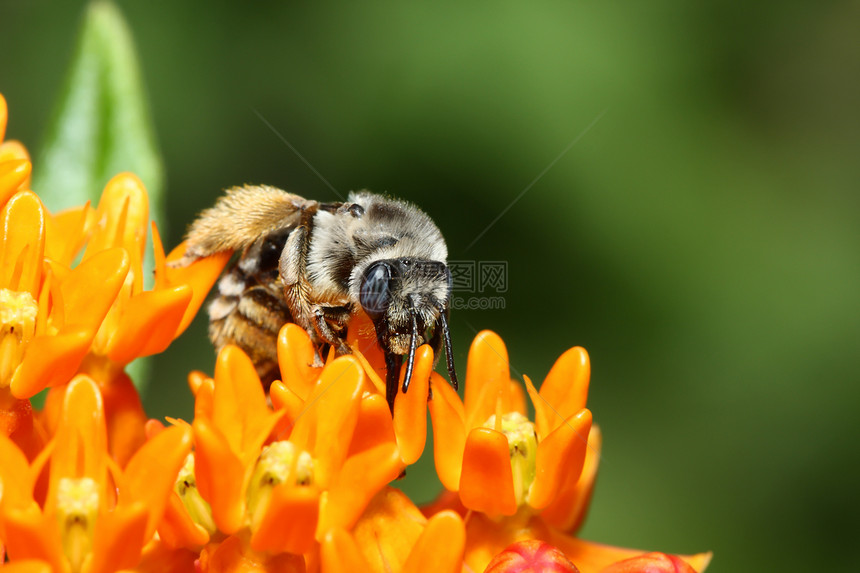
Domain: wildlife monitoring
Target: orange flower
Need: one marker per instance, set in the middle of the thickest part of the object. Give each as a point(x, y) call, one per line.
point(95, 517)
point(407, 426)
point(521, 480)
point(50, 314)
point(125, 321)
point(281, 496)
point(487, 537)
point(488, 450)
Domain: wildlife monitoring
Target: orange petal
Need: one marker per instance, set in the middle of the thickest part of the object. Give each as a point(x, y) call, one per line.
point(361, 337)
point(340, 554)
point(447, 500)
point(152, 428)
point(50, 361)
point(14, 475)
point(486, 536)
point(4, 116)
point(651, 563)
point(177, 529)
point(362, 476)
point(14, 173)
point(566, 385)
point(374, 376)
point(567, 511)
point(517, 399)
point(81, 438)
point(325, 428)
point(440, 547)
point(66, 232)
point(159, 557)
point(560, 458)
point(410, 408)
point(487, 482)
point(220, 476)
point(374, 424)
point(17, 423)
point(296, 357)
point(13, 150)
point(196, 379)
point(160, 261)
point(204, 399)
point(91, 288)
point(449, 432)
point(290, 521)
point(30, 534)
point(200, 276)
point(119, 538)
point(152, 471)
point(27, 566)
point(388, 530)
point(239, 402)
point(286, 401)
point(234, 556)
point(149, 323)
point(123, 218)
point(487, 377)
point(594, 557)
point(126, 419)
point(23, 244)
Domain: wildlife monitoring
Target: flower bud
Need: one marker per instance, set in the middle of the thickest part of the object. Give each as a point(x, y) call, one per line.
point(531, 556)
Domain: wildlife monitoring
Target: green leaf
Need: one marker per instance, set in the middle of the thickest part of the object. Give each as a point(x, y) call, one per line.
point(101, 127)
point(101, 124)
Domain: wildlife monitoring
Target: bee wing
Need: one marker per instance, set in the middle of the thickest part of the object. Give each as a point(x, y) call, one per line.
point(241, 217)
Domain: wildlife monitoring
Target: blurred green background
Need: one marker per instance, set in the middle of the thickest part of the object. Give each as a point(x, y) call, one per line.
point(701, 240)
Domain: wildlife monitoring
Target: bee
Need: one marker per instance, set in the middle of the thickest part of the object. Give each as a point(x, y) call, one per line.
point(316, 265)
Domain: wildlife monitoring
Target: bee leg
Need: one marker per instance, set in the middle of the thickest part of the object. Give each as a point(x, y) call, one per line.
point(327, 334)
point(314, 318)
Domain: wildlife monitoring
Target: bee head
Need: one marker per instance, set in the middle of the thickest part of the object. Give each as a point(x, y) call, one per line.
point(407, 299)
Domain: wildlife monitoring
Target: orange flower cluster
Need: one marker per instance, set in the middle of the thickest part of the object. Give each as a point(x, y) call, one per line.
point(296, 481)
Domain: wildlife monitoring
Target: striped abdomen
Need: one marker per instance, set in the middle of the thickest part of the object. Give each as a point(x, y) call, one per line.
point(250, 309)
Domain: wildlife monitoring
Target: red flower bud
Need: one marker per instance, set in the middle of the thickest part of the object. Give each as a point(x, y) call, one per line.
point(531, 556)
point(651, 563)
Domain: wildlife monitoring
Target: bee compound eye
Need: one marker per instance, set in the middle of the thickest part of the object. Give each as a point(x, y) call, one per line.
point(375, 294)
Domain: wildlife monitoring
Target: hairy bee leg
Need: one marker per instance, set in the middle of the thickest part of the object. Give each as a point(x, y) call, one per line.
point(449, 351)
point(297, 289)
point(392, 375)
point(325, 332)
point(410, 360)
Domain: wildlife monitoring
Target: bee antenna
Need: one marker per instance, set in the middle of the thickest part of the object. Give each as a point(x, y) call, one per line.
point(449, 351)
point(413, 345)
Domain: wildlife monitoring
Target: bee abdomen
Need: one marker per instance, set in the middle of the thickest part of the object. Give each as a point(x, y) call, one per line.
point(250, 309)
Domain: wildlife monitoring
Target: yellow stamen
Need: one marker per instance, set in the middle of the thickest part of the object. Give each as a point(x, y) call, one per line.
point(77, 509)
point(522, 440)
point(280, 462)
point(18, 311)
point(198, 508)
